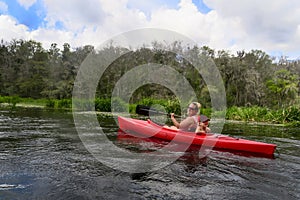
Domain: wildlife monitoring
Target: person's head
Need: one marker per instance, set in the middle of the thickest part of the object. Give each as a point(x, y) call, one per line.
point(205, 123)
point(193, 108)
point(205, 120)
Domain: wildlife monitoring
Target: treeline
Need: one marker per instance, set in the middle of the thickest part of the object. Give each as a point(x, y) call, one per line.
point(250, 78)
point(29, 70)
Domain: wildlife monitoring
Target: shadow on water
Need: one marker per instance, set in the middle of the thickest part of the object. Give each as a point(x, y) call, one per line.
point(42, 157)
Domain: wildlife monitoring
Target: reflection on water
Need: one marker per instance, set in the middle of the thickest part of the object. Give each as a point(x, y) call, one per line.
point(42, 157)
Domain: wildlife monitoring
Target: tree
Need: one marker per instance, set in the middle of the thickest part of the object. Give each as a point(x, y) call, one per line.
point(250, 78)
point(283, 88)
point(5, 70)
point(34, 70)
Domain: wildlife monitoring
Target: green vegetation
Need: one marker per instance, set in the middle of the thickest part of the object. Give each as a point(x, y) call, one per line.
point(262, 114)
point(14, 101)
point(258, 87)
point(289, 115)
point(11, 100)
point(59, 103)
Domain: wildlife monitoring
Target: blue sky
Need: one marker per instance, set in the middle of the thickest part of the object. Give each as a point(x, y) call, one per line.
point(202, 7)
point(269, 25)
point(33, 17)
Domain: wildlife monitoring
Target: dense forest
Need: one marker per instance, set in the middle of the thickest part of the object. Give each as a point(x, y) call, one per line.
point(250, 78)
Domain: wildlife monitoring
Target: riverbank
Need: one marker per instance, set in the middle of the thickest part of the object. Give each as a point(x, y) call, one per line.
point(289, 116)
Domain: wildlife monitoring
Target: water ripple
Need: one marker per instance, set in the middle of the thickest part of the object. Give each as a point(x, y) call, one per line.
point(42, 156)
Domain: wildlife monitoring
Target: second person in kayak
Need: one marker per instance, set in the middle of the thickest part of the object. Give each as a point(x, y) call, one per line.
point(189, 123)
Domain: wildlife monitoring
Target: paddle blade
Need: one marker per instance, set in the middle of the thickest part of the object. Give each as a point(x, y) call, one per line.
point(142, 110)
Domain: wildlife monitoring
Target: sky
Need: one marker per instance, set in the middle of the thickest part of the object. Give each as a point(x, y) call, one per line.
point(272, 26)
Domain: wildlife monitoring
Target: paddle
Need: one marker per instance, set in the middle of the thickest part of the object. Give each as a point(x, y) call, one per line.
point(147, 110)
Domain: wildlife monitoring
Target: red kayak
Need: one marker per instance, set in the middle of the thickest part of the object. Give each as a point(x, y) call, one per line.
point(149, 129)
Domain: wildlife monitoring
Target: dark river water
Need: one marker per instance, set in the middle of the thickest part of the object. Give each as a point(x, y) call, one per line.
point(42, 157)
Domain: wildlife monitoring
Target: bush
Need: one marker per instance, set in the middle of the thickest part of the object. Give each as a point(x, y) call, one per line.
point(233, 113)
point(12, 100)
point(293, 114)
point(50, 103)
point(102, 105)
point(262, 114)
point(64, 103)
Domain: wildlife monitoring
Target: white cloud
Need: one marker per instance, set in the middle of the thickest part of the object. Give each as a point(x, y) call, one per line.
point(93, 21)
point(74, 14)
point(3, 7)
point(149, 6)
point(26, 3)
point(207, 29)
point(50, 36)
point(269, 25)
point(10, 29)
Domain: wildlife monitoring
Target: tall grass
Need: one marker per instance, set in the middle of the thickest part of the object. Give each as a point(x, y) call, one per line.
point(11, 100)
point(263, 114)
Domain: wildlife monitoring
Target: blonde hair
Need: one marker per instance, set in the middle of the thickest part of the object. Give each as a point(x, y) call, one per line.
point(198, 105)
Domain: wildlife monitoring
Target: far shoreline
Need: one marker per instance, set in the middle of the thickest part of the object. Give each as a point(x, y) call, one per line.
point(105, 113)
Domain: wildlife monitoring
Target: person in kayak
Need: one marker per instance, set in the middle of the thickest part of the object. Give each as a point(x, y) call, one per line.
point(202, 126)
point(190, 123)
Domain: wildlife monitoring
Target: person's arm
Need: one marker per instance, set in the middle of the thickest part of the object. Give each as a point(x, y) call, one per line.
point(175, 122)
point(207, 130)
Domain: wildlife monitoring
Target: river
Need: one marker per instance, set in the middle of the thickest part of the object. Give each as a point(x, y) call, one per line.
point(42, 157)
